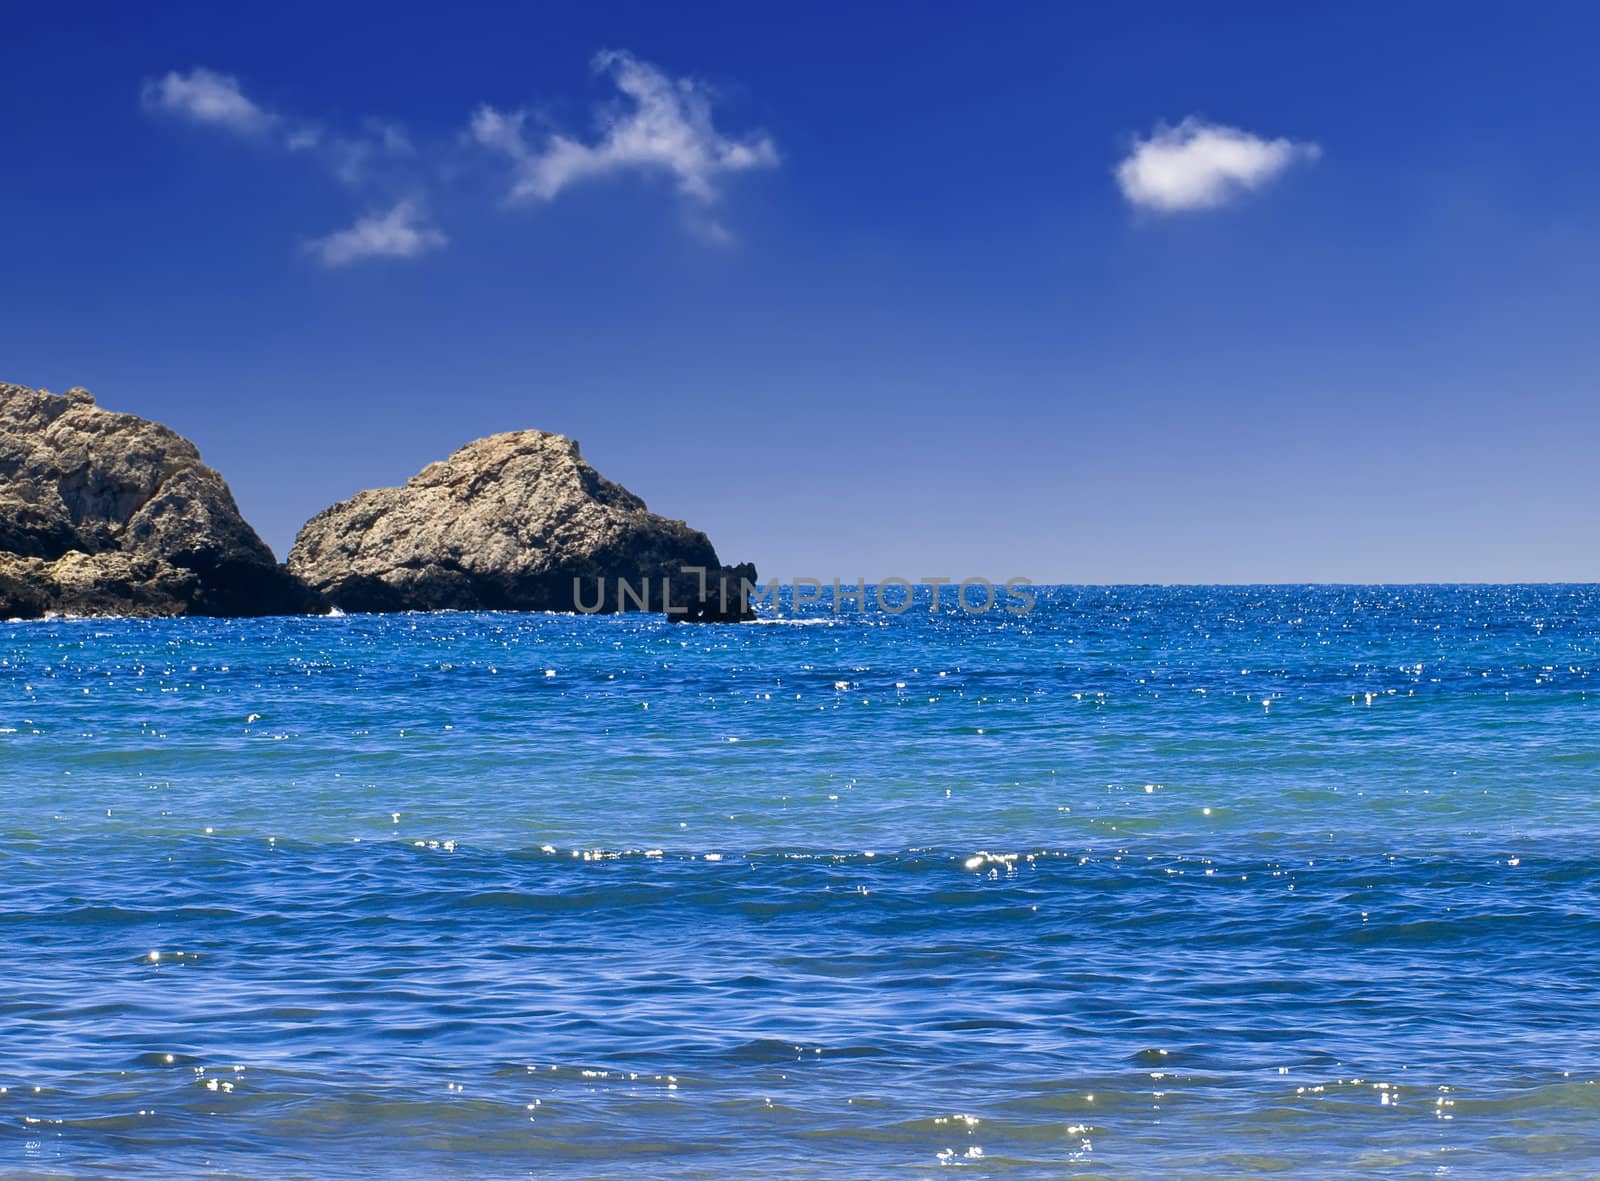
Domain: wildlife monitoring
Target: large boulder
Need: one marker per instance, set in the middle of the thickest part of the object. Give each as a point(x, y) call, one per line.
point(108, 514)
point(516, 522)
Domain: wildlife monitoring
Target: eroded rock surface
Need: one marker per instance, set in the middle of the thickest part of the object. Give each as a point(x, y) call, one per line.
point(109, 514)
point(517, 521)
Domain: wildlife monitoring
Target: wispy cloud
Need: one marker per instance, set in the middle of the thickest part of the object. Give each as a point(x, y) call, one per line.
point(1199, 165)
point(205, 96)
point(667, 128)
point(374, 158)
point(353, 159)
point(659, 124)
point(208, 97)
point(402, 232)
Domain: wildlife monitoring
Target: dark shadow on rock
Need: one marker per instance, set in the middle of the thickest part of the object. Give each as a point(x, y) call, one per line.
point(109, 514)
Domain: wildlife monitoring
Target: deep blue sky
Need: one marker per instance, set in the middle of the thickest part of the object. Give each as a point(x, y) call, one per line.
point(939, 338)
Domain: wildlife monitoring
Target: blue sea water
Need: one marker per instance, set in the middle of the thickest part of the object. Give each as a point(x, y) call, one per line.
point(1188, 882)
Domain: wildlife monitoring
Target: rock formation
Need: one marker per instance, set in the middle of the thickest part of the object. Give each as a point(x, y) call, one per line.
point(514, 522)
point(104, 513)
point(108, 514)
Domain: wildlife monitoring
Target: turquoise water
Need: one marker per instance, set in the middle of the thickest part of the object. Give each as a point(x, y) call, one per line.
point(1189, 882)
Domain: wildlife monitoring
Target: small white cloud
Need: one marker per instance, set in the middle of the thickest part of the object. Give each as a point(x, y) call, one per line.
point(391, 136)
point(708, 229)
point(350, 160)
point(377, 158)
point(303, 139)
point(658, 124)
point(402, 232)
point(668, 128)
point(499, 131)
point(205, 96)
point(353, 160)
point(1198, 165)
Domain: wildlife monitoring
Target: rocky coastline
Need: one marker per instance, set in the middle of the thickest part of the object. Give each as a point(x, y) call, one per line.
point(109, 514)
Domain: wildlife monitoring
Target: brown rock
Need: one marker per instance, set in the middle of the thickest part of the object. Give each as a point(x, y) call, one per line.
point(104, 513)
point(516, 522)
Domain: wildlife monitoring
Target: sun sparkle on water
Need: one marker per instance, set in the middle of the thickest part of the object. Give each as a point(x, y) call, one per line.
point(1186, 882)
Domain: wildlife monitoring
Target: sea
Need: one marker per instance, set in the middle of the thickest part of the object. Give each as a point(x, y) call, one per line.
point(1144, 882)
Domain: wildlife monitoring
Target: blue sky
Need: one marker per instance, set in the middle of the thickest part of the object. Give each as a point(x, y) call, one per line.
point(1171, 293)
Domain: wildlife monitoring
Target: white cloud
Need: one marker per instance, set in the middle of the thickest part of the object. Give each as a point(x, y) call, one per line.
point(1198, 165)
point(657, 124)
point(375, 159)
point(668, 128)
point(402, 232)
point(353, 160)
point(205, 96)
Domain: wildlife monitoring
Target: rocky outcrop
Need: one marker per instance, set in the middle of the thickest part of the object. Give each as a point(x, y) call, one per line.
point(514, 522)
point(108, 514)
